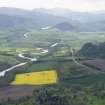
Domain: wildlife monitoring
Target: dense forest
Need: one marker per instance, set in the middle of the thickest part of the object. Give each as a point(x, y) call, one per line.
point(93, 50)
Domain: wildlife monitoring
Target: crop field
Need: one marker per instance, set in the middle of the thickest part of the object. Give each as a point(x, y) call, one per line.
point(97, 64)
point(36, 78)
point(16, 92)
point(46, 37)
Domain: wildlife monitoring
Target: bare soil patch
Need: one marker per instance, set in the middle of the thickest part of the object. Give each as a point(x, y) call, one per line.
point(16, 92)
point(96, 64)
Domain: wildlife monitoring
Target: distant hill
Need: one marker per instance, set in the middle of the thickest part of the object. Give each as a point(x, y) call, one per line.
point(85, 21)
point(15, 23)
point(65, 26)
point(38, 18)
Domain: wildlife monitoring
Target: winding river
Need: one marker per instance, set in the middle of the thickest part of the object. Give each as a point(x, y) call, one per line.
point(44, 51)
point(2, 73)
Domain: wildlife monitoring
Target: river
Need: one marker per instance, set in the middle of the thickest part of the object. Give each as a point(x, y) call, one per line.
point(21, 55)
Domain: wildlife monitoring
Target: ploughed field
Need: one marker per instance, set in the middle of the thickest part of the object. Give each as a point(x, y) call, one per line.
point(36, 78)
point(16, 92)
point(98, 64)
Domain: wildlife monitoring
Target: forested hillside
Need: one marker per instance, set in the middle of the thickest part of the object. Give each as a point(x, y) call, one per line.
point(93, 50)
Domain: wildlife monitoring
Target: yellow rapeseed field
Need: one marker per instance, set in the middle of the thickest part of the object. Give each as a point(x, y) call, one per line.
point(36, 78)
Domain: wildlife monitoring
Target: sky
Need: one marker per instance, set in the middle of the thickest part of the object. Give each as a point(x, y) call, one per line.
point(74, 5)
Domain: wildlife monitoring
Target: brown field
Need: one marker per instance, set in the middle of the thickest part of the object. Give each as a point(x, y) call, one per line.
point(16, 92)
point(98, 63)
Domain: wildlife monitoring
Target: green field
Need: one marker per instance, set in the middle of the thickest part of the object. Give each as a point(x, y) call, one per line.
point(43, 38)
point(80, 82)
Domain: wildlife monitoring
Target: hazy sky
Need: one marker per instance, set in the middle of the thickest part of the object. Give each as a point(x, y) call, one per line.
point(75, 5)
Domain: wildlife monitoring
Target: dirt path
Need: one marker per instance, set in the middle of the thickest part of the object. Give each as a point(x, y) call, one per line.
point(84, 66)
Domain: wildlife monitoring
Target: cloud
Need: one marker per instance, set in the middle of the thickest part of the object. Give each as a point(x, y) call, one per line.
point(76, 5)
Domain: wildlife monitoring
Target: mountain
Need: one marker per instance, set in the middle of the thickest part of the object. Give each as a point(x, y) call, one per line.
point(15, 23)
point(58, 12)
point(62, 12)
point(14, 12)
point(79, 16)
point(40, 17)
point(85, 21)
point(65, 26)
